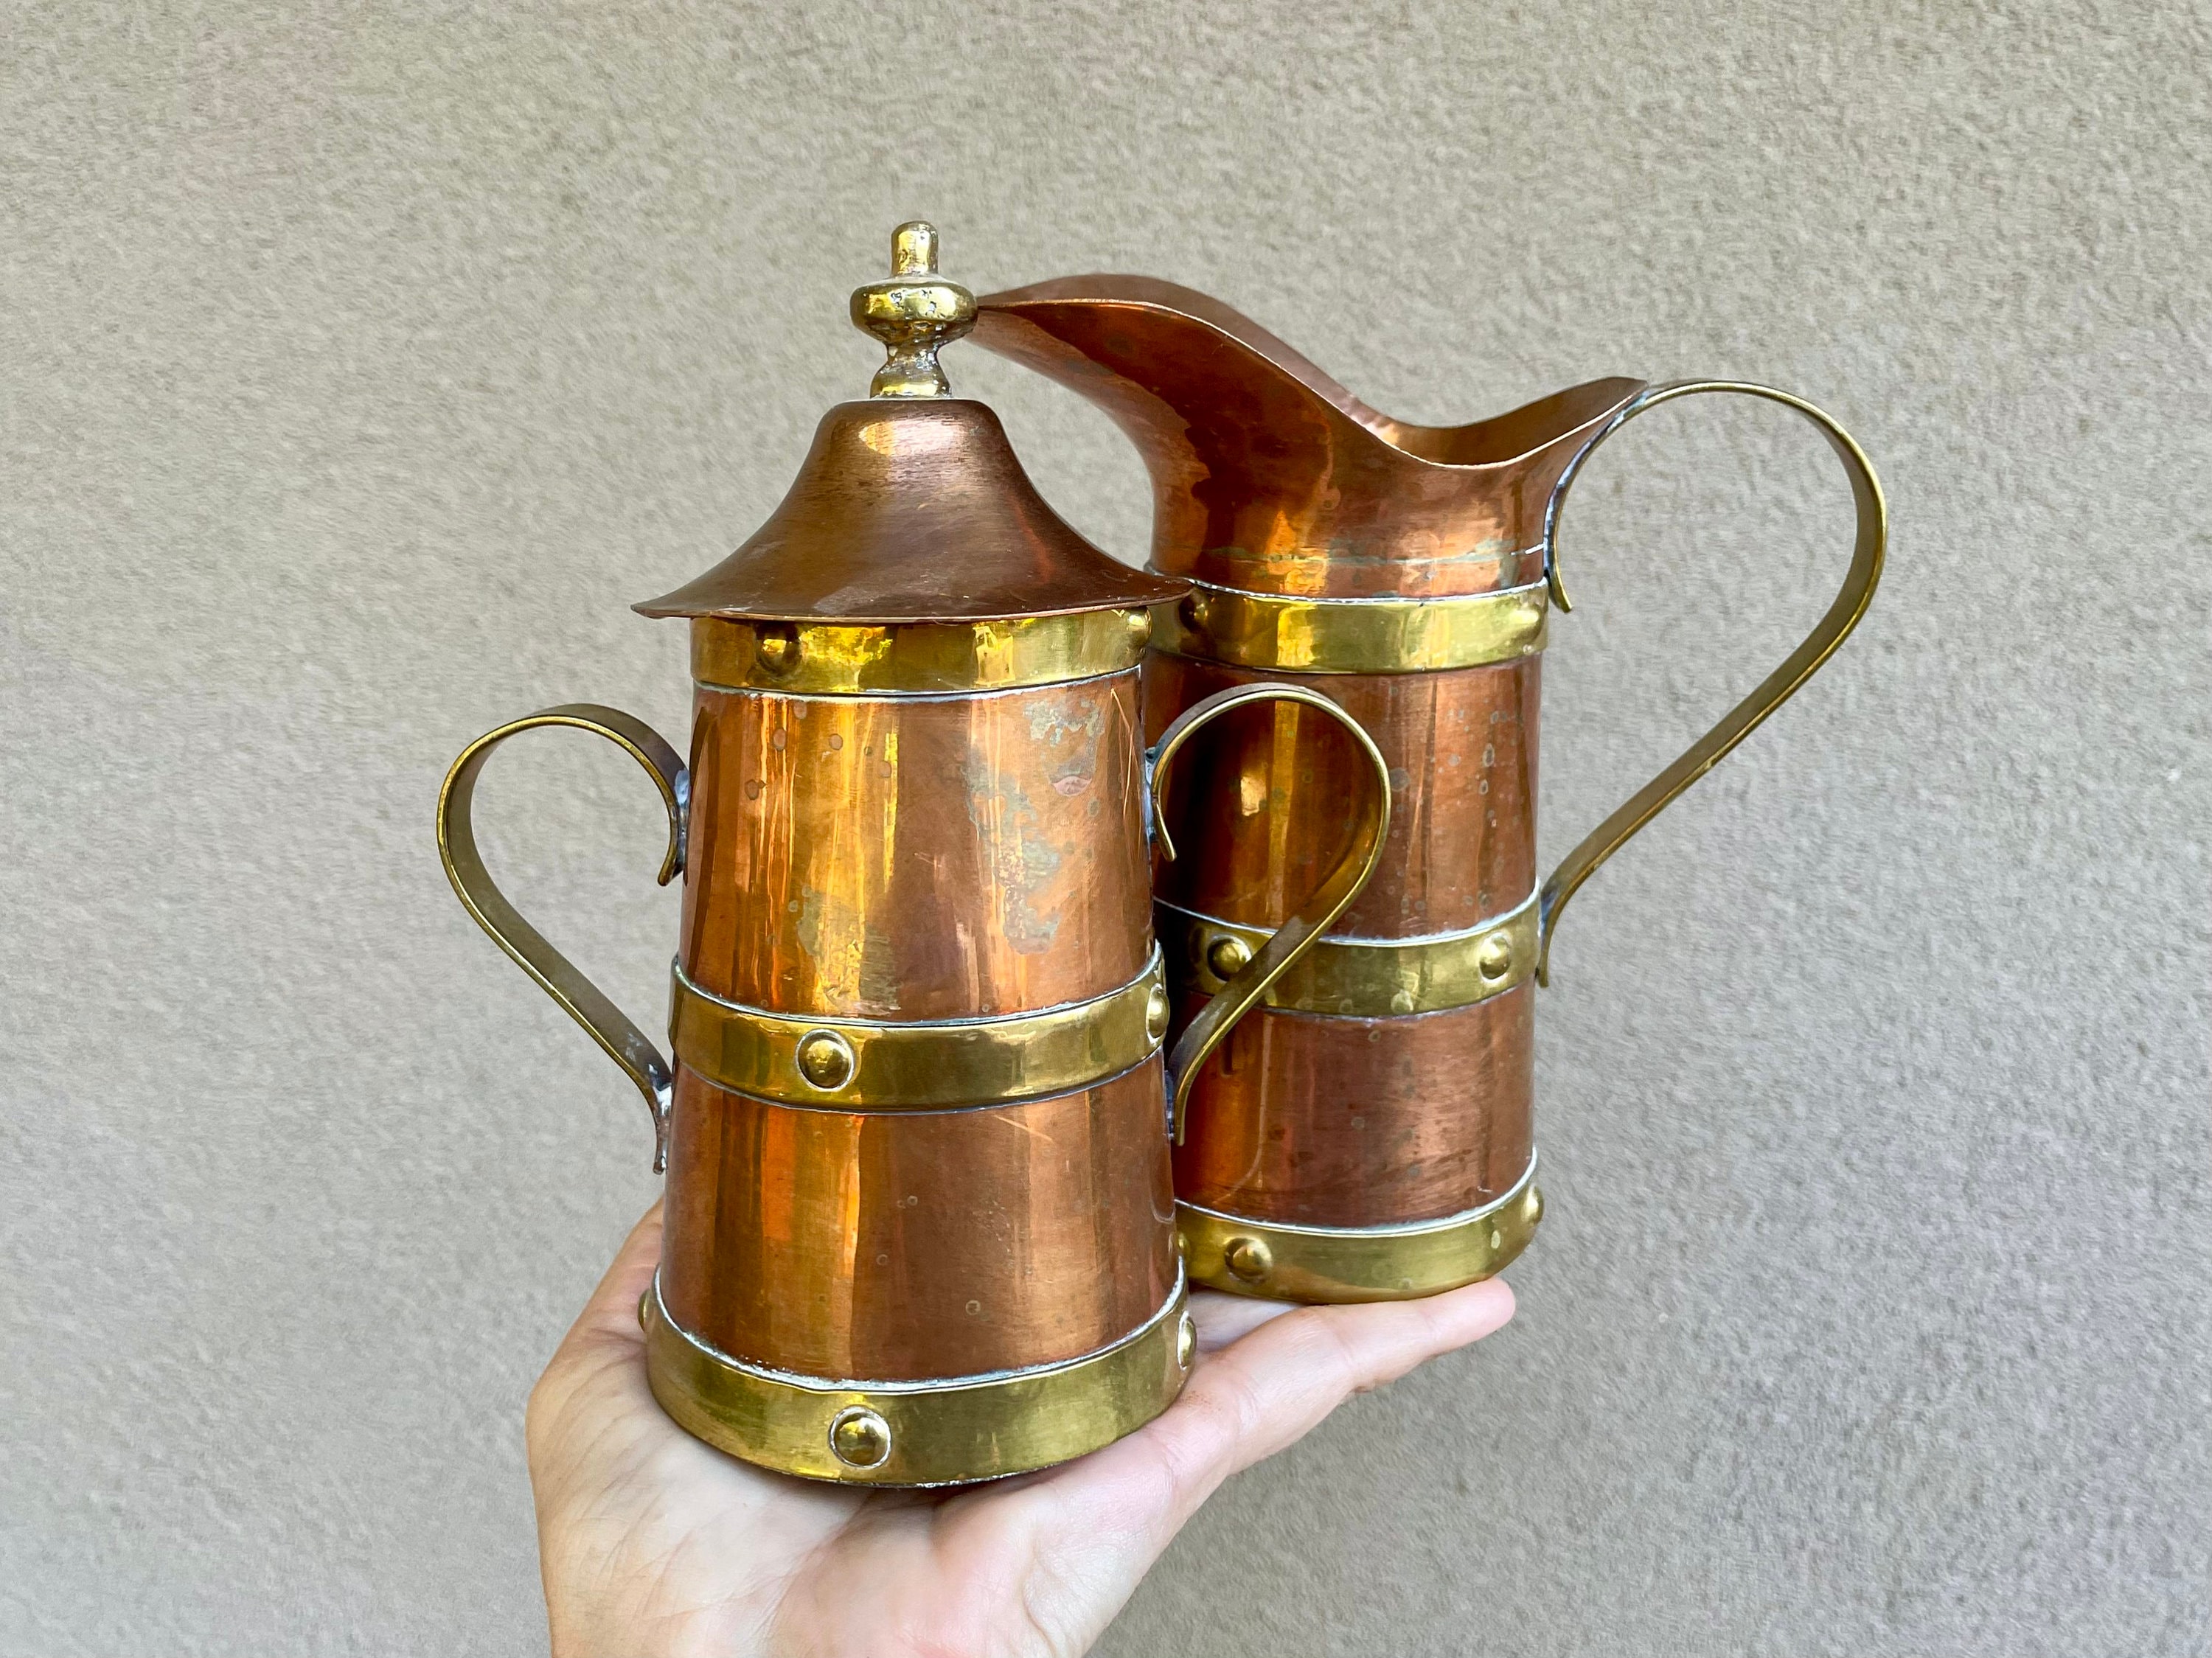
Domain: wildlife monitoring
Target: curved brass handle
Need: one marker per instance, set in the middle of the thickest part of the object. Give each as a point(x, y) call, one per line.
point(583, 1001)
point(1313, 918)
point(1842, 616)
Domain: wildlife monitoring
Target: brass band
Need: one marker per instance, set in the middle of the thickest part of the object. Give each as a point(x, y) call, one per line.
point(918, 1433)
point(1367, 978)
point(1353, 636)
point(1340, 1264)
point(871, 1065)
point(817, 658)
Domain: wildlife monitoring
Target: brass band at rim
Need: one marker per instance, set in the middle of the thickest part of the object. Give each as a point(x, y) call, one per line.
point(1353, 636)
point(919, 1433)
point(1366, 978)
point(1329, 1264)
point(820, 658)
point(868, 1065)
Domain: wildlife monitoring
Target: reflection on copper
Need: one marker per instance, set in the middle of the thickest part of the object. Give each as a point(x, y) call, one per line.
point(918, 858)
point(1317, 1121)
point(912, 511)
point(896, 1248)
point(1269, 476)
point(1462, 751)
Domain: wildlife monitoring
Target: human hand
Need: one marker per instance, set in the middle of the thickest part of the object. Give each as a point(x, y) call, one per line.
point(652, 1542)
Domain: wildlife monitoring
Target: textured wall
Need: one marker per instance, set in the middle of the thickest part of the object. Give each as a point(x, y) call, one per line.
point(357, 369)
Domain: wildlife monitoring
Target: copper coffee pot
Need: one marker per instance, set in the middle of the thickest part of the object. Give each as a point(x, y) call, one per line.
point(1367, 1135)
point(919, 1227)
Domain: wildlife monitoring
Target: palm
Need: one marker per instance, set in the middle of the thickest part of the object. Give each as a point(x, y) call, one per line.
point(653, 1542)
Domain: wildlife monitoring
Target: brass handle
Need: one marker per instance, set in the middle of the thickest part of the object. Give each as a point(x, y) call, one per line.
point(583, 1001)
point(1842, 616)
point(1313, 918)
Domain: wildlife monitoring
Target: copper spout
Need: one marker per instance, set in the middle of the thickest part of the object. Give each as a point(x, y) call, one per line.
point(1268, 475)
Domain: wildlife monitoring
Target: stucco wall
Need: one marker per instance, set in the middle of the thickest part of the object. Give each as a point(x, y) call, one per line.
point(359, 365)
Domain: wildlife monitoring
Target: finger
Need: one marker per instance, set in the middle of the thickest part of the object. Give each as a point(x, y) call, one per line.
point(1273, 1387)
point(1223, 1319)
point(610, 1315)
point(1267, 1392)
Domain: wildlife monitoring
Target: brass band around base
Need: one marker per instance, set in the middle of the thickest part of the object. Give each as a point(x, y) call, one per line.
point(868, 1065)
point(918, 1433)
point(1366, 978)
point(1353, 636)
point(819, 658)
point(1327, 1264)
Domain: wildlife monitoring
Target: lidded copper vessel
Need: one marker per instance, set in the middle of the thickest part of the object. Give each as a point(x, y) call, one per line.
point(1367, 1133)
point(920, 1223)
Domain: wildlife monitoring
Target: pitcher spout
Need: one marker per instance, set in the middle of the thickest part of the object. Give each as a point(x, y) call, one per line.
point(1268, 476)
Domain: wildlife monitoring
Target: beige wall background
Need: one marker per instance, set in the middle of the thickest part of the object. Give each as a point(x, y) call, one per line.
point(359, 365)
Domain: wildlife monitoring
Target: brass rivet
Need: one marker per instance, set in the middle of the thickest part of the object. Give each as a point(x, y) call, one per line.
point(1193, 612)
point(825, 1059)
point(1493, 958)
point(1497, 1238)
point(1156, 1013)
point(777, 648)
point(1247, 1258)
point(1227, 955)
point(1186, 1342)
point(861, 1438)
point(1140, 627)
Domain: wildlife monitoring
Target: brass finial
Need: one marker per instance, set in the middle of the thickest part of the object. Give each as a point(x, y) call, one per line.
point(913, 314)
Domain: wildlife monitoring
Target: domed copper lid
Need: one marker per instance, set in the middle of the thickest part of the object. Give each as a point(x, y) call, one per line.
point(911, 507)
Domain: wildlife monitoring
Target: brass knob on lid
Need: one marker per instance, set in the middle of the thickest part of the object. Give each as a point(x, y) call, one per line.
point(914, 312)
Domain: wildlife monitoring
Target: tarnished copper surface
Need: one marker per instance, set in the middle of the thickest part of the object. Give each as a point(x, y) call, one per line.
point(901, 1247)
point(1258, 799)
point(1315, 1120)
point(917, 858)
point(912, 510)
point(1269, 476)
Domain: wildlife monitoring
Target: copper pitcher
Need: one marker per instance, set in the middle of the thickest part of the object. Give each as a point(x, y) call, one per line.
point(919, 1227)
point(1367, 1135)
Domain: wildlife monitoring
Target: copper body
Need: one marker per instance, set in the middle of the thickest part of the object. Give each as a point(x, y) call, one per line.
point(929, 1244)
point(1271, 478)
point(1323, 1120)
point(912, 858)
point(1314, 1119)
point(918, 859)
